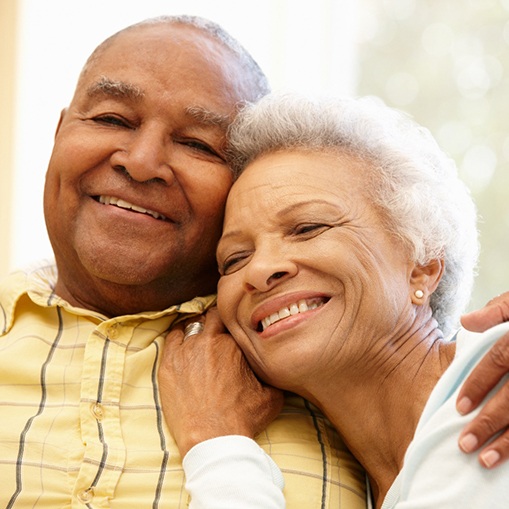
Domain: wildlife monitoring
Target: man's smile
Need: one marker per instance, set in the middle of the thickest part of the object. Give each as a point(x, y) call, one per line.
point(117, 202)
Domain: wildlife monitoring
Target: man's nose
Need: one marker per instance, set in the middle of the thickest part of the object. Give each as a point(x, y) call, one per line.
point(145, 157)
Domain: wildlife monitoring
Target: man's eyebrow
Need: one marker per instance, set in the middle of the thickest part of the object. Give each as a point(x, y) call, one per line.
point(114, 88)
point(122, 89)
point(208, 118)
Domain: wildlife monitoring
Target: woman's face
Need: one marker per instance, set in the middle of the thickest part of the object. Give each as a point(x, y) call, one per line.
point(310, 279)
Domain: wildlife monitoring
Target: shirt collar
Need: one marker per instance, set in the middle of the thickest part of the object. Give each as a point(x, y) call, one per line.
point(38, 283)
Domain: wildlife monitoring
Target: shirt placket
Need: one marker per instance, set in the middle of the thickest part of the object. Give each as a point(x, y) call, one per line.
point(101, 384)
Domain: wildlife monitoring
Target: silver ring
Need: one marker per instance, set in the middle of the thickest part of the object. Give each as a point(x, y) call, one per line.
point(192, 329)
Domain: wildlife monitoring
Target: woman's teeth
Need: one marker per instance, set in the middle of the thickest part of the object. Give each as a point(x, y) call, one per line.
point(297, 307)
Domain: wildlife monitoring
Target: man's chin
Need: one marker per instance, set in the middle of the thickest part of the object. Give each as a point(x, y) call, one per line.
point(119, 267)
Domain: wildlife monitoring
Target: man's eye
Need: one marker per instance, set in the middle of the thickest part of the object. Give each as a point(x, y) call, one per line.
point(201, 147)
point(111, 120)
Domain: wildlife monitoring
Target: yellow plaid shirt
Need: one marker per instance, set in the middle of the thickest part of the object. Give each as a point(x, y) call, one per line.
point(80, 419)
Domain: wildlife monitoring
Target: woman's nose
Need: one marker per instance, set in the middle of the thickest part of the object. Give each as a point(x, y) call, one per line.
point(266, 271)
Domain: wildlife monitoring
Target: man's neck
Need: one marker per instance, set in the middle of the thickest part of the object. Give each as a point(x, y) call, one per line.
point(110, 299)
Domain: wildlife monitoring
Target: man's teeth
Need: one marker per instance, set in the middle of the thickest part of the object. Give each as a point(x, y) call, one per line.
point(297, 307)
point(111, 200)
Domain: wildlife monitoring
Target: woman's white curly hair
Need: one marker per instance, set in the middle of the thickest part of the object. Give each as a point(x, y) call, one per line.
point(412, 182)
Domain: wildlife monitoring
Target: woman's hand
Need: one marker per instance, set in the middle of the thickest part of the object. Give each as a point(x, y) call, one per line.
point(208, 390)
point(494, 417)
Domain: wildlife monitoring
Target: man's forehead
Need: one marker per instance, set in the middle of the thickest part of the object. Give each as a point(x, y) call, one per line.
point(165, 34)
point(149, 41)
point(121, 68)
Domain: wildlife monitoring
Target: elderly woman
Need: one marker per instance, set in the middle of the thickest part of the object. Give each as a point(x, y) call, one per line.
point(347, 255)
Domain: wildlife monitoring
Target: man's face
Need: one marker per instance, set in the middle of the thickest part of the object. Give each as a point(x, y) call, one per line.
point(137, 182)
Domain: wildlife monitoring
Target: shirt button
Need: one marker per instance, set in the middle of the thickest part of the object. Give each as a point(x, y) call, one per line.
point(97, 411)
point(113, 332)
point(86, 496)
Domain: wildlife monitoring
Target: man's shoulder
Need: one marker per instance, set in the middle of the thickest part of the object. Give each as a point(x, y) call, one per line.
point(37, 281)
point(319, 470)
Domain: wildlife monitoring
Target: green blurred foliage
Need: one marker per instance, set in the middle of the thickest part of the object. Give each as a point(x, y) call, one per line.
point(446, 62)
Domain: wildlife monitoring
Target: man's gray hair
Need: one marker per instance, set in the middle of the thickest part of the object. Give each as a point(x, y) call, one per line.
point(256, 76)
point(414, 185)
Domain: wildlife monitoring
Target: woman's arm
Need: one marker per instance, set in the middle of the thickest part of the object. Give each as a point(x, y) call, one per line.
point(494, 416)
point(232, 472)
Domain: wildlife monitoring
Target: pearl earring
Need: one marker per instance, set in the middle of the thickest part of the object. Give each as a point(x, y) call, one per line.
point(419, 294)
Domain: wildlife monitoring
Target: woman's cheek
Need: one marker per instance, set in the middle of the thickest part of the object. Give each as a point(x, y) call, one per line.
point(226, 301)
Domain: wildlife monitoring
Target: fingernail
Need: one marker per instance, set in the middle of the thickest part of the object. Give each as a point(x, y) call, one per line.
point(464, 405)
point(489, 458)
point(468, 443)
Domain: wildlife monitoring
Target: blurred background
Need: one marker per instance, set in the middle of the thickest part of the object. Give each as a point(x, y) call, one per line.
point(446, 62)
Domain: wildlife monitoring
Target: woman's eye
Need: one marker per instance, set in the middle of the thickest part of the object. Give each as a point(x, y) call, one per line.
point(232, 264)
point(309, 228)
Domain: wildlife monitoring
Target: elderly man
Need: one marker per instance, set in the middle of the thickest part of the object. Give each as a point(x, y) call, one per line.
point(134, 201)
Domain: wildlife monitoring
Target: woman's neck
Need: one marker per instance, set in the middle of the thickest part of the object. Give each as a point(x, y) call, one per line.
point(376, 410)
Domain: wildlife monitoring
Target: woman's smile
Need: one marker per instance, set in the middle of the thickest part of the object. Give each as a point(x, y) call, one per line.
point(301, 306)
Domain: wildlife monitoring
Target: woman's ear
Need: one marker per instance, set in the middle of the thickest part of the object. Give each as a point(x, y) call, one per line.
point(424, 280)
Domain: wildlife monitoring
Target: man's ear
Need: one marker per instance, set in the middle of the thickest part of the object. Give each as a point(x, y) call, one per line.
point(424, 280)
point(60, 120)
